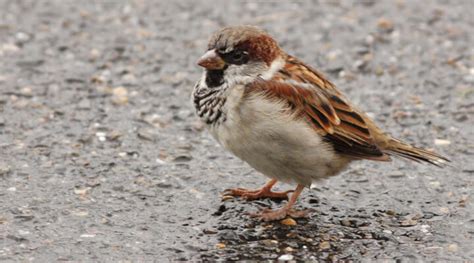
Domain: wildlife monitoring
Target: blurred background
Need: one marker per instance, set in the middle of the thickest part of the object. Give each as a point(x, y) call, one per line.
point(102, 158)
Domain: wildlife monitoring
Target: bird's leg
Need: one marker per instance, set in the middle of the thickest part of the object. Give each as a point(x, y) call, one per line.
point(270, 215)
point(264, 192)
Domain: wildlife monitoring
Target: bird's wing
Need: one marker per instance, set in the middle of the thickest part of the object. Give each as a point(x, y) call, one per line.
point(314, 98)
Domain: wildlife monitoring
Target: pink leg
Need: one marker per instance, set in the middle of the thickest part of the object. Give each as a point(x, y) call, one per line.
point(271, 215)
point(264, 192)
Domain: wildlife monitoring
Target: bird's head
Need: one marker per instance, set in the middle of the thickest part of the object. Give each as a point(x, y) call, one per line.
point(240, 54)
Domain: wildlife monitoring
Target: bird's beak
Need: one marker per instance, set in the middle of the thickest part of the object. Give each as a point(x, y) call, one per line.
point(211, 60)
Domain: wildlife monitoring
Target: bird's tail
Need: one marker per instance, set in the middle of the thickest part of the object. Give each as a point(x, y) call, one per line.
point(405, 150)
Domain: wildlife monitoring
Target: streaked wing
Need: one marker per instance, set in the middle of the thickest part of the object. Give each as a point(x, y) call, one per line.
point(317, 100)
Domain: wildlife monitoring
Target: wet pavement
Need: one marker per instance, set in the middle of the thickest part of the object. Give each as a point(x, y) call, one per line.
point(102, 158)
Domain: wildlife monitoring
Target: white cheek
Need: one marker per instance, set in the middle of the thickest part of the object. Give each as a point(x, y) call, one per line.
point(276, 65)
point(237, 74)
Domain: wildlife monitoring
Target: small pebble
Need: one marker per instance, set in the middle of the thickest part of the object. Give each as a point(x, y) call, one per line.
point(23, 232)
point(101, 136)
point(324, 245)
point(154, 120)
point(453, 248)
point(160, 161)
point(346, 222)
point(288, 222)
point(114, 135)
point(119, 100)
point(379, 70)
point(119, 96)
point(369, 40)
point(220, 245)
point(209, 231)
point(81, 191)
point(22, 37)
point(285, 257)
point(270, 242)
point(332, 55)
point(146, 134)
point(444, 210)
point(408, 222)
point(385, 24)
point(425, 228)
point(27, 91)
point(9, 48)
point(80, 213)
point(4, 169)
point(442, 142)
point(94, 54)
point(463, 201)
point(88, 235)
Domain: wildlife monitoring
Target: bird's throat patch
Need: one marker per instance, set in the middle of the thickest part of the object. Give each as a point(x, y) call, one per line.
point(215, 78)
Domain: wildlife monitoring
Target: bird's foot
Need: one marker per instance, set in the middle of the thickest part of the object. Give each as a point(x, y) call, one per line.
point(272, 215)
point(257, 194)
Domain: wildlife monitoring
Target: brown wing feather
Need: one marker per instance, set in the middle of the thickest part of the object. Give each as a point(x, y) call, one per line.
point(325, 108)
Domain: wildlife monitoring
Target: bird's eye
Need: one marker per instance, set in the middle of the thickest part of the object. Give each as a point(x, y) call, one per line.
point(237, 57)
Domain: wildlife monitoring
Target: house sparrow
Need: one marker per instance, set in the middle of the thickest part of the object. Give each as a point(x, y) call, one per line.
point(284, 118)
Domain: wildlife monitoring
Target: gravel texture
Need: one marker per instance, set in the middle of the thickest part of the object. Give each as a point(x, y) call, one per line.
point(102, 158)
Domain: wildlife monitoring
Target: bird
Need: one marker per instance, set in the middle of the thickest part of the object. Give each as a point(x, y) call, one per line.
point(285, 118)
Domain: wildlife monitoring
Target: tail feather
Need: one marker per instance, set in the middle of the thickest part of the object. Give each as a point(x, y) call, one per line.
point(399, 148)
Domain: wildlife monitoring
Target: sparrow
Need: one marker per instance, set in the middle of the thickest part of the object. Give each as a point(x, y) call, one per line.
point(285, 118)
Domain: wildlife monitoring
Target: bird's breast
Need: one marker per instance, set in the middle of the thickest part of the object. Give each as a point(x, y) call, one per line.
point(265, 134)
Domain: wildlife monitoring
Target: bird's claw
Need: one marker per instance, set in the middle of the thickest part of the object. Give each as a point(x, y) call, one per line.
point(257, 194)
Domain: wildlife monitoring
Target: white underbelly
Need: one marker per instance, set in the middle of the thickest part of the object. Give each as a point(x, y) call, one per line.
point(275, 144)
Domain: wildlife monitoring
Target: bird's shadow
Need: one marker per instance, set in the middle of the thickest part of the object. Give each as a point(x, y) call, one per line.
point(329, 233)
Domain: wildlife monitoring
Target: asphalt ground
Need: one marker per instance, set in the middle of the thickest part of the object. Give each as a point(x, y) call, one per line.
point(103, 159)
